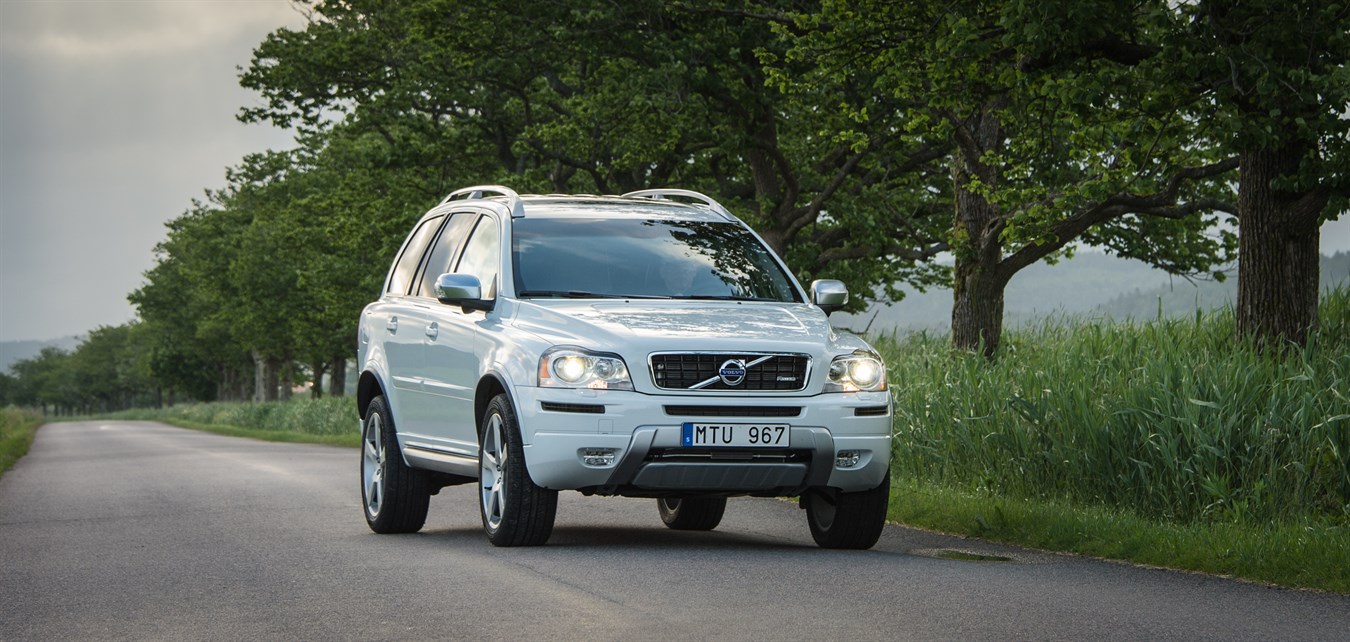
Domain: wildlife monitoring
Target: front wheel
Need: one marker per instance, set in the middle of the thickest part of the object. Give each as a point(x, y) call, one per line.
point(848, 520)
point(692, 513)
point(515, 511)
point(394, 495)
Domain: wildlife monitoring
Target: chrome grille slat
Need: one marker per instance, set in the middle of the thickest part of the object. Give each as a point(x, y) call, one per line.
point(692, 371)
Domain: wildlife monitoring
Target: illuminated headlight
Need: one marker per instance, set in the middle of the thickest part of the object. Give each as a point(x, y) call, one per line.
point(860, 371)
point(575, 368)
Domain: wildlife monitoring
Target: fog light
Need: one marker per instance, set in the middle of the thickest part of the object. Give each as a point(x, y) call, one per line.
point(847, 458)
point(598, 457)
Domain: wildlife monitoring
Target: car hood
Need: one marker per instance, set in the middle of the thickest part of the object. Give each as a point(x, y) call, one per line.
point(638, 328)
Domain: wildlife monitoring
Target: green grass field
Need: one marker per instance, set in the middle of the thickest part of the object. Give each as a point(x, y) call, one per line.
point(1163, 443)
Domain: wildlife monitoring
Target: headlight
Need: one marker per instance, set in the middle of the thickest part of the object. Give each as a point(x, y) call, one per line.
point(855, 372)
point(576, 368)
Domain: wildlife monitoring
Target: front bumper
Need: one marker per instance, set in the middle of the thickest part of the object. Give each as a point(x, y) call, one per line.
point(643, 432)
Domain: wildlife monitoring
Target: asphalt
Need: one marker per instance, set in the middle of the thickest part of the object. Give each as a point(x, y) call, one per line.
point(133, 530)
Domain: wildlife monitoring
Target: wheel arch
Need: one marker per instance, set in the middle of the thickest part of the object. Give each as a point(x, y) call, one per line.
point(489, 386)
point(367, 388)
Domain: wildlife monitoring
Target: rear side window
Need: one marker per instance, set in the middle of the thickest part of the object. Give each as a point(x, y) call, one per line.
point(482, 256)
point(443, 251)
point(402, 274)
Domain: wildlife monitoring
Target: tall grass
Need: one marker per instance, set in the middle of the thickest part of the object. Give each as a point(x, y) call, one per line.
point(1171, 419)
point(17, 429)
point(330, 416)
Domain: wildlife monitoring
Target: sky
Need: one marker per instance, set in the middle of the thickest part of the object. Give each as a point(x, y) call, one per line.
point(114, 115)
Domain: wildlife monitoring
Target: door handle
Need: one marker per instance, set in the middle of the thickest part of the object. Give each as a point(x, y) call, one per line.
point(433, 329)
point(392, 325)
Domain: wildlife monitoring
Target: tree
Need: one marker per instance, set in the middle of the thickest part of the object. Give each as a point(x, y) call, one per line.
point(1279, 99)
point(186, 302)
point(44, 381)
point(601, 97)
point(1057, 130)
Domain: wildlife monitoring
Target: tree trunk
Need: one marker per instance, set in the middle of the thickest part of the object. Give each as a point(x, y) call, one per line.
point(316, 386)
point(286, 388)
point(337, 383)
point(978, 280)
point(1278, 251)
point(259, 378)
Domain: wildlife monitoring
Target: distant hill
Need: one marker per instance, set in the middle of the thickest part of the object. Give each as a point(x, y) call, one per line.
point(11, 351)
point(1090, 283)
point(1206, 295)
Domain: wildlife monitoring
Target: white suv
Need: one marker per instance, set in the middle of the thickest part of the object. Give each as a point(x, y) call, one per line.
point(648, 345)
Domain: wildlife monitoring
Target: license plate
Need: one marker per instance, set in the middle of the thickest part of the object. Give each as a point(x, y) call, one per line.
point(737, 435)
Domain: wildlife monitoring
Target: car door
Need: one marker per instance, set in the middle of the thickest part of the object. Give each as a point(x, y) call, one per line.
point(393, 323)
point(453, 369)
point(424, 413)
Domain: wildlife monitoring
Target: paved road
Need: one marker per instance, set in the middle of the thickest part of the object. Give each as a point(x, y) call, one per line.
point(143, 531)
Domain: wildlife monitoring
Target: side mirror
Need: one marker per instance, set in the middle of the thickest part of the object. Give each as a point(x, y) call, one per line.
point(829, 295)
point(464, 290)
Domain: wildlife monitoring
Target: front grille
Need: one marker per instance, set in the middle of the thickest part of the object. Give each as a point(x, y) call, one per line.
point(733, 411)
point(763, 372)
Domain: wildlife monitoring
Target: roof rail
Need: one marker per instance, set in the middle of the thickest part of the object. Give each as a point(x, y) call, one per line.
point(479, 191)
point(665, 194)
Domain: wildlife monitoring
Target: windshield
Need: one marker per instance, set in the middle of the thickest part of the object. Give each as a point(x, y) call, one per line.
point(636, 258)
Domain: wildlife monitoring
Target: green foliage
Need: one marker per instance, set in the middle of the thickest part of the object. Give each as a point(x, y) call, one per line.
point(1275, 75)
point(17, 429)
point(846, 133)
point(599, 97)
point(1166, 419)
point(328, 417)
point(1061, 127)
point(109, 370)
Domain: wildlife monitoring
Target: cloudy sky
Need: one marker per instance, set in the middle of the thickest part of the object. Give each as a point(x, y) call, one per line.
point(114, 115)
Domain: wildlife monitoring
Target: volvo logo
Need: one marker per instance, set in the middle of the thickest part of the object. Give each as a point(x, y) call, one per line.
point(732, 372)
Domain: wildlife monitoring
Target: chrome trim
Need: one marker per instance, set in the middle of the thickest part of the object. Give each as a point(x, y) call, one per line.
point(441, 461)
point(713, 380)
point(764, 356)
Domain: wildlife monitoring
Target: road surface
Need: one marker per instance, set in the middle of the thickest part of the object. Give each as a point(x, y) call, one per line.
point(134, 530)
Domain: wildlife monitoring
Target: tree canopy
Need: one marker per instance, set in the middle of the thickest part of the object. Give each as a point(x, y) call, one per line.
point(865, 140)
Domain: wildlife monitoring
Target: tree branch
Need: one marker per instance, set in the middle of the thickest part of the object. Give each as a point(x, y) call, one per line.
point(1161, 204)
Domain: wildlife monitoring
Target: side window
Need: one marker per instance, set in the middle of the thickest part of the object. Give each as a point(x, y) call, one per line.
point(483, 256)
point(402, 274)
point(443, 250)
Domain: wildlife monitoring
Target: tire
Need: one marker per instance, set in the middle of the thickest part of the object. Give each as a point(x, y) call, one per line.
point(394, 496)
point(692, 513)
point(848, 520)
point(515, 511)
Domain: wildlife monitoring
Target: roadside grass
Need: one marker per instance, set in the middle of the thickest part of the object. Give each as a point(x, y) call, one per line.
point(1164, 443)
point(17, 429)
point(1312, 556)
point(330, 420)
